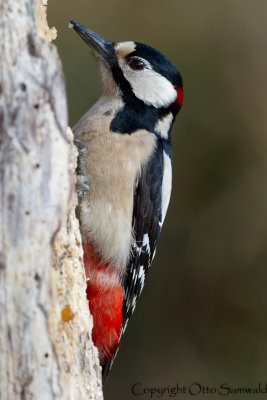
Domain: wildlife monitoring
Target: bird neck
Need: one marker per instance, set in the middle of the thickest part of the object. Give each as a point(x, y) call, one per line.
point(133, 116)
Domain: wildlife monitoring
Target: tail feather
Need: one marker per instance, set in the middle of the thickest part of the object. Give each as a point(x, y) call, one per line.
point(107, 366)
point(105, 370)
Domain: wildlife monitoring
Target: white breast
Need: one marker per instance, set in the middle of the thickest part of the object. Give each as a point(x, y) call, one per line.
point(113, 163)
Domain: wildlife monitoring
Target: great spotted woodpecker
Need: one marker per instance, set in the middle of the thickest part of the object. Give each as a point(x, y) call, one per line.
point(127, 136)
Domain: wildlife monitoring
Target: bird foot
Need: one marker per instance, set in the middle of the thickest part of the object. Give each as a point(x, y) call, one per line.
point(81, 177)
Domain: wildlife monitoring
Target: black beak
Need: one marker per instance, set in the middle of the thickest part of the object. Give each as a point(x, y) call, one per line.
point(101, 46)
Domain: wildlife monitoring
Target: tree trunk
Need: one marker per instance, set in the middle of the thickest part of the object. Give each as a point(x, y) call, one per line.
point(46, 350)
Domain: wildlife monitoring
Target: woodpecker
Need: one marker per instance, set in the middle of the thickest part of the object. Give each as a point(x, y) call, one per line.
point(127, 137)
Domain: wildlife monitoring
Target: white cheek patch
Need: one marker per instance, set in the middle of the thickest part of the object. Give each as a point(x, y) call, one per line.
point(150, 87)
point(166, 184)
point(163, 125)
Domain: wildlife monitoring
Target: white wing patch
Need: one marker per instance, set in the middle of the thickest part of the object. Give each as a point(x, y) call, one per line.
point(146, 244)
point(137, 248)
point(163, 125)
point(142, 276)
point(166, 184)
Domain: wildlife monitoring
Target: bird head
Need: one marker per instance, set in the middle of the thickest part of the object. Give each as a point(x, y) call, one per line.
point(139, 71)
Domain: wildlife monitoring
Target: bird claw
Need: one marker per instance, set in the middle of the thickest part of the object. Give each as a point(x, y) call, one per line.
point(81, 177)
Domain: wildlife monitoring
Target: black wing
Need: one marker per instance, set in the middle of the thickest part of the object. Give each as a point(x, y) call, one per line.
point(147, 218)
point(147, 222)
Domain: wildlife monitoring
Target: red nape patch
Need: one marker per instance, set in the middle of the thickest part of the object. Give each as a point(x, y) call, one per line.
point(105, 302)
point(180, 96)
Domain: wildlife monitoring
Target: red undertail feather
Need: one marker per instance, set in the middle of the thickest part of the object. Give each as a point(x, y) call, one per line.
point(105, 302)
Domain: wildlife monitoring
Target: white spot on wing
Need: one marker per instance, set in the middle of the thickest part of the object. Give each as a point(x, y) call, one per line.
point(166, 184)
point(124, 327)
point(163, 125)
point(133, 305)
point(137, 248)
point(142, 276)
point(146, 242)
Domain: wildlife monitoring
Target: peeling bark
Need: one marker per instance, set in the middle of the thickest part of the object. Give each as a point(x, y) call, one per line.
point(46, 350)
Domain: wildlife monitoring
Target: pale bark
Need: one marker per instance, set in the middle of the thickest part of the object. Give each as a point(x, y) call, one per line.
point(46, 351)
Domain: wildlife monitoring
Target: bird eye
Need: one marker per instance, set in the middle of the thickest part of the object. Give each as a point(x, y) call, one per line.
point(136, 64)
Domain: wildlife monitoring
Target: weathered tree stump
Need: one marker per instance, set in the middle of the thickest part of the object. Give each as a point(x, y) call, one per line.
point(46, 350)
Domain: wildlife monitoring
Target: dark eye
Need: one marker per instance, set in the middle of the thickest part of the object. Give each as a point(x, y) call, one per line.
point(136, 64)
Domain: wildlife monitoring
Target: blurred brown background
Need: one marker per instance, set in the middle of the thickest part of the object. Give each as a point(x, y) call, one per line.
point(203, 313)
